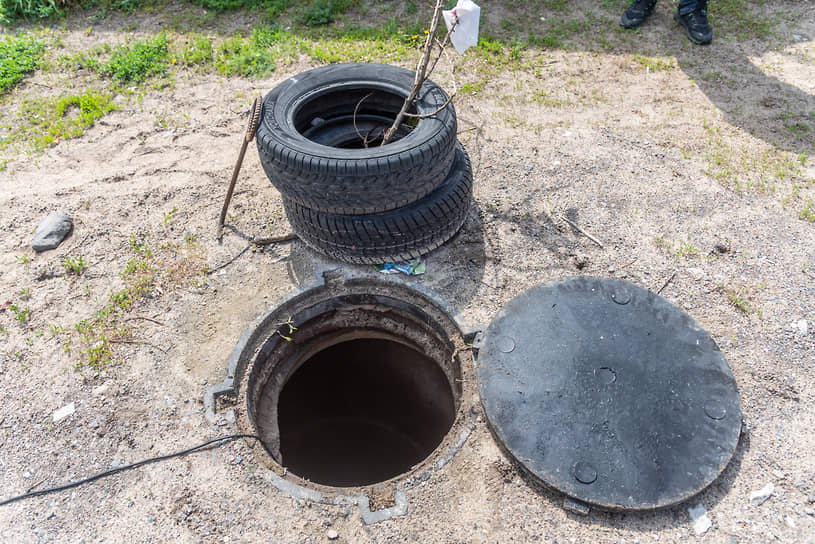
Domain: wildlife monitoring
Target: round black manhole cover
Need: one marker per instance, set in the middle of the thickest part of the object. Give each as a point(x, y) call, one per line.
point(609, 394)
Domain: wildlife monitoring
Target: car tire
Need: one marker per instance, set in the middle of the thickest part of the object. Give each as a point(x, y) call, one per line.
point(395, 235)
point(309, 145)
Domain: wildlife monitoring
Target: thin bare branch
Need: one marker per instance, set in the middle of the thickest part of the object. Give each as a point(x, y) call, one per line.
point(446, 103)
point(356, 109)
point(443, 45)
point(275, 239)
point(583, 232)
point(145, 319)
point(664, 285)
point(421, 72)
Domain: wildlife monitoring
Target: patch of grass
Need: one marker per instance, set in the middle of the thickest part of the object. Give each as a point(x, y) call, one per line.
point(18, 56)
point(196, 51)
point(13, 10)
point(137, 62)
point(237, 56)
point(746, 18)
point(46, 122)
point(323, 12)
point(743, 168)
point(228, 5)
point(544, 41)
point(276, 8)
point(654, 64)
point(736, 297)
point(472, 88)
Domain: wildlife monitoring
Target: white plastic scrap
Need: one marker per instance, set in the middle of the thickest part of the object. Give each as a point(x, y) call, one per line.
point(64, 412)
point(761, 496)
point(465, 34)
point(701, 523)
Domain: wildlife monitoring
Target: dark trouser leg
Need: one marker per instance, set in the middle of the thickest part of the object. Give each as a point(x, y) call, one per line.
point(687, 6)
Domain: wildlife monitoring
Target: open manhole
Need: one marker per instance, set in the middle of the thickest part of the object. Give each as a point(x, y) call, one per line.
point(352, 385)
point(363, 396)
point(595, 387)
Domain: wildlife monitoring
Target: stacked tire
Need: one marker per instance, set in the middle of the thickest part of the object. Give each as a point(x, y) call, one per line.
point(345, 194)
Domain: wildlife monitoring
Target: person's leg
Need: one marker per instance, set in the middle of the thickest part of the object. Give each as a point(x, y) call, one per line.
point(692, 14)
point(637, 12)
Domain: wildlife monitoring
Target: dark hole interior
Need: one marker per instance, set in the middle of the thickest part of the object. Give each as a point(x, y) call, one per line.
point(351, 118)
point(362, 412)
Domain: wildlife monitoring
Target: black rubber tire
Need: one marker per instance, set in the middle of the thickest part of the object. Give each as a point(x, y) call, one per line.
point(347, 180)
point(394, 235)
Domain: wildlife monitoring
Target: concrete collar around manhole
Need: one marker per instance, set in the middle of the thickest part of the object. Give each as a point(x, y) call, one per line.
point(357, 389)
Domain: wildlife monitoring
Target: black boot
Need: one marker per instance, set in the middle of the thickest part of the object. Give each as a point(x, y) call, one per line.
point(696, 24)
point(637, 12)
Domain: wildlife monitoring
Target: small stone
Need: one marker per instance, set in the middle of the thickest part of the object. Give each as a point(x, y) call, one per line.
point(51, 231)
point(801, 327)
point(809, 511)
point(64, 412)
point(760, 497)
point(332, 534)
point(101, 389)
point(790, 522)
point(696, 273)
point(701, 523)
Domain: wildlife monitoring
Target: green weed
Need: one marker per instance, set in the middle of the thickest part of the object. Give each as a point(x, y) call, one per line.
point(18, 56)
point(808, 213)
point(20, 314)
point(275, 8)
point(46, 122)
point(473, 88)
point(686, 249)
point(736, 298)
point(13, 10)
point(74, 265)
point(197, 51)
point(237, 56)
point(168, 216)
point(228, 5)
point(137, 62)
point(323, 12)
point(654, 64)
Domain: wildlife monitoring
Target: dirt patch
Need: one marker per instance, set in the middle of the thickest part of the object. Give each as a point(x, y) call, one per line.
point(680, 160)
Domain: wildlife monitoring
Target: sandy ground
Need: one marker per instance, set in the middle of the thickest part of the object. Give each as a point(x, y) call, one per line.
point(620, 149)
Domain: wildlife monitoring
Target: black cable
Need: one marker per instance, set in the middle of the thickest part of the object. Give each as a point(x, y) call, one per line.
point(126, 467)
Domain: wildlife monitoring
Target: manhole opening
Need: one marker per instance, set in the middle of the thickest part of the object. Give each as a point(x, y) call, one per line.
point(359, 395)
point(362, 412)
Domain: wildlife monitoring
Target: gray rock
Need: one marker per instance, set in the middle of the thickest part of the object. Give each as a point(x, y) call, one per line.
point(51, 231)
